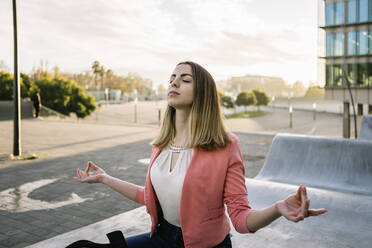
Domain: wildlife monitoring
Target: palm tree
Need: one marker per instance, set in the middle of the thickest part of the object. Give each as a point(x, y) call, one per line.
point(96, 69)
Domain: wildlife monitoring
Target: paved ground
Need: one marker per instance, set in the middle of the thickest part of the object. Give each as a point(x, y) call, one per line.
point(40, 200)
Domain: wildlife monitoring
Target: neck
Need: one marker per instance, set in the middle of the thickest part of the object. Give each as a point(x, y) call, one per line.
point(181, 121)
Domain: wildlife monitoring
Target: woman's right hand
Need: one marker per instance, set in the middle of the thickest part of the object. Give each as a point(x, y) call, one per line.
point(84, 176)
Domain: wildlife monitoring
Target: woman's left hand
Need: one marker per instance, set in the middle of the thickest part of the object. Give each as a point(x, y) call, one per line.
point(296, 207)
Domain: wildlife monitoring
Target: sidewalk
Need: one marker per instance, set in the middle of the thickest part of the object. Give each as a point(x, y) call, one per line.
point(40, 200)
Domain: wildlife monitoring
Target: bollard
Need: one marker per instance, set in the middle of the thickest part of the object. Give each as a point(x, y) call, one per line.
point(135, 113)
point(314, 111)
point(290, 117)
point(106, 95)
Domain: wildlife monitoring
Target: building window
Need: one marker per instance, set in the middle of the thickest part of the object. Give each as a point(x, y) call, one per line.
point(352, 11)
point(329, 44)
point(335, 44)
point(339, 44)
point(352, 73)
point(370, 10)
point(369, 73)
point(340, 13)
point(363, 10)
point(351, 43)
point(329, 8)
point(329, 76)
point(363, 42)
point(370, 41)
point(337, 75)
point(335, 13)
point(362, 75)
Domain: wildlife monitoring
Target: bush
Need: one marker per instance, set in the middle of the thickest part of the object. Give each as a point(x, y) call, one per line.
point(6, 86)
point(262, 97)
point(64, 96)
point(315, 91)
point(246, 99)
point(226, 101)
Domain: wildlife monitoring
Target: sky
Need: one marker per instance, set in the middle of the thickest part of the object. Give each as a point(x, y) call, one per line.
point(149, 37)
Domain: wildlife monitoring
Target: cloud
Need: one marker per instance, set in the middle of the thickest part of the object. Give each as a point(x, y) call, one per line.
point(151, 36)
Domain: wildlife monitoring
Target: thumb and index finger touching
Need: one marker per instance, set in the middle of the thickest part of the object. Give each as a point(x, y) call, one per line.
point(305, 203)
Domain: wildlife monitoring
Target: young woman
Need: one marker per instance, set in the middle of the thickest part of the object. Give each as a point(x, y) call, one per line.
point(196, 167)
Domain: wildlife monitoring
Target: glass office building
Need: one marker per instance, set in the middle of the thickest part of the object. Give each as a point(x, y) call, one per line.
point(345, 53)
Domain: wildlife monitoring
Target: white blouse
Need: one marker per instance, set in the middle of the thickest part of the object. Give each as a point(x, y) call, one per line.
point(168, 184)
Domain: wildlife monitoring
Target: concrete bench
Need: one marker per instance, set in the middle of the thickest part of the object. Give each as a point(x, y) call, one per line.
point(366, 128)
point(338, 173)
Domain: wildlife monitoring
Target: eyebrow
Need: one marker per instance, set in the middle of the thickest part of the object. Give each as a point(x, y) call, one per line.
point(182, 75)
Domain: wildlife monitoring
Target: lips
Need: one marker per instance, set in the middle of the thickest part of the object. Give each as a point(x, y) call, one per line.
point(173, 93)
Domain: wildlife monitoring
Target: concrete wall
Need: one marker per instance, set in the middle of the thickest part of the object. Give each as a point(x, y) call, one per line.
point(360, 95)
point(7, 110)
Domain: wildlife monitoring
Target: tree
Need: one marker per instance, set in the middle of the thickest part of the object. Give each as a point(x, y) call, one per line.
point(102, 75)
point(65, 96)
point(226, 101)
point(245, 99)
point(96, 70)
point(162, 91)
point(298, 89)
point(315, 91)
point(6, 86)
point(261, 97)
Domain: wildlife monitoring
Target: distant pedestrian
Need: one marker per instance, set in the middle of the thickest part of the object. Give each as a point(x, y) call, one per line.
point(37, 103)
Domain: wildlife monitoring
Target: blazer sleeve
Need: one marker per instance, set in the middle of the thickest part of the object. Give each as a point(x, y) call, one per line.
point(235, 191)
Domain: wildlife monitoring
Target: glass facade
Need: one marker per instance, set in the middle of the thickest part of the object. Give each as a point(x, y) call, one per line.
point(339, 13)
point(356, 43)
point(335, 44)
point(353, 40)
point(363, 10)
point(351, 43)
point(357, 11)
point(363, 42)
point(359, 75)
point(352, 11)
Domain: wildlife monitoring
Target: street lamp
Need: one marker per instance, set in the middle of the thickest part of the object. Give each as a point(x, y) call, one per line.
point(16, 90)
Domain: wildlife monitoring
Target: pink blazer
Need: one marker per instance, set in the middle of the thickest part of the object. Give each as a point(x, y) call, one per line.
point(212, 179)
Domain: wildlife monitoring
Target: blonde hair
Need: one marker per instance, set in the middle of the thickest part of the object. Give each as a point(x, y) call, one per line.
point(205, 128)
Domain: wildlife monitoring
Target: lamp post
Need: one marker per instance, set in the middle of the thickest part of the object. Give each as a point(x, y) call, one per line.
point(314, 111)
point(135, 106)
point(16, 90)
point(290, 116)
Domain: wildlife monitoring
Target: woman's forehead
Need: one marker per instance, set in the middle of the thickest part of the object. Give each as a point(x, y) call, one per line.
point(183, 69)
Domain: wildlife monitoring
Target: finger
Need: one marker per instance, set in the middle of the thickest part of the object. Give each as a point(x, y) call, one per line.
point(304, 201)
point(79, 172)
point(315, 212)
point(77, 179)
point(298, 194)
point(92, 165)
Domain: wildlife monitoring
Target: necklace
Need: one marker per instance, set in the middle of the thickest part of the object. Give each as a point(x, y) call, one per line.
point(174, 148)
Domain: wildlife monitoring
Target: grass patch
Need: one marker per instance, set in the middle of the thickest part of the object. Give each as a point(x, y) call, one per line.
point(249, 114)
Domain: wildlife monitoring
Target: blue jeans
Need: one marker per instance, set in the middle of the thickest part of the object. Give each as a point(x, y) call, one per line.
point(166, 236)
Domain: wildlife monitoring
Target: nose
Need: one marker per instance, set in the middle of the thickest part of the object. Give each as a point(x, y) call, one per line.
point(176, 82)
